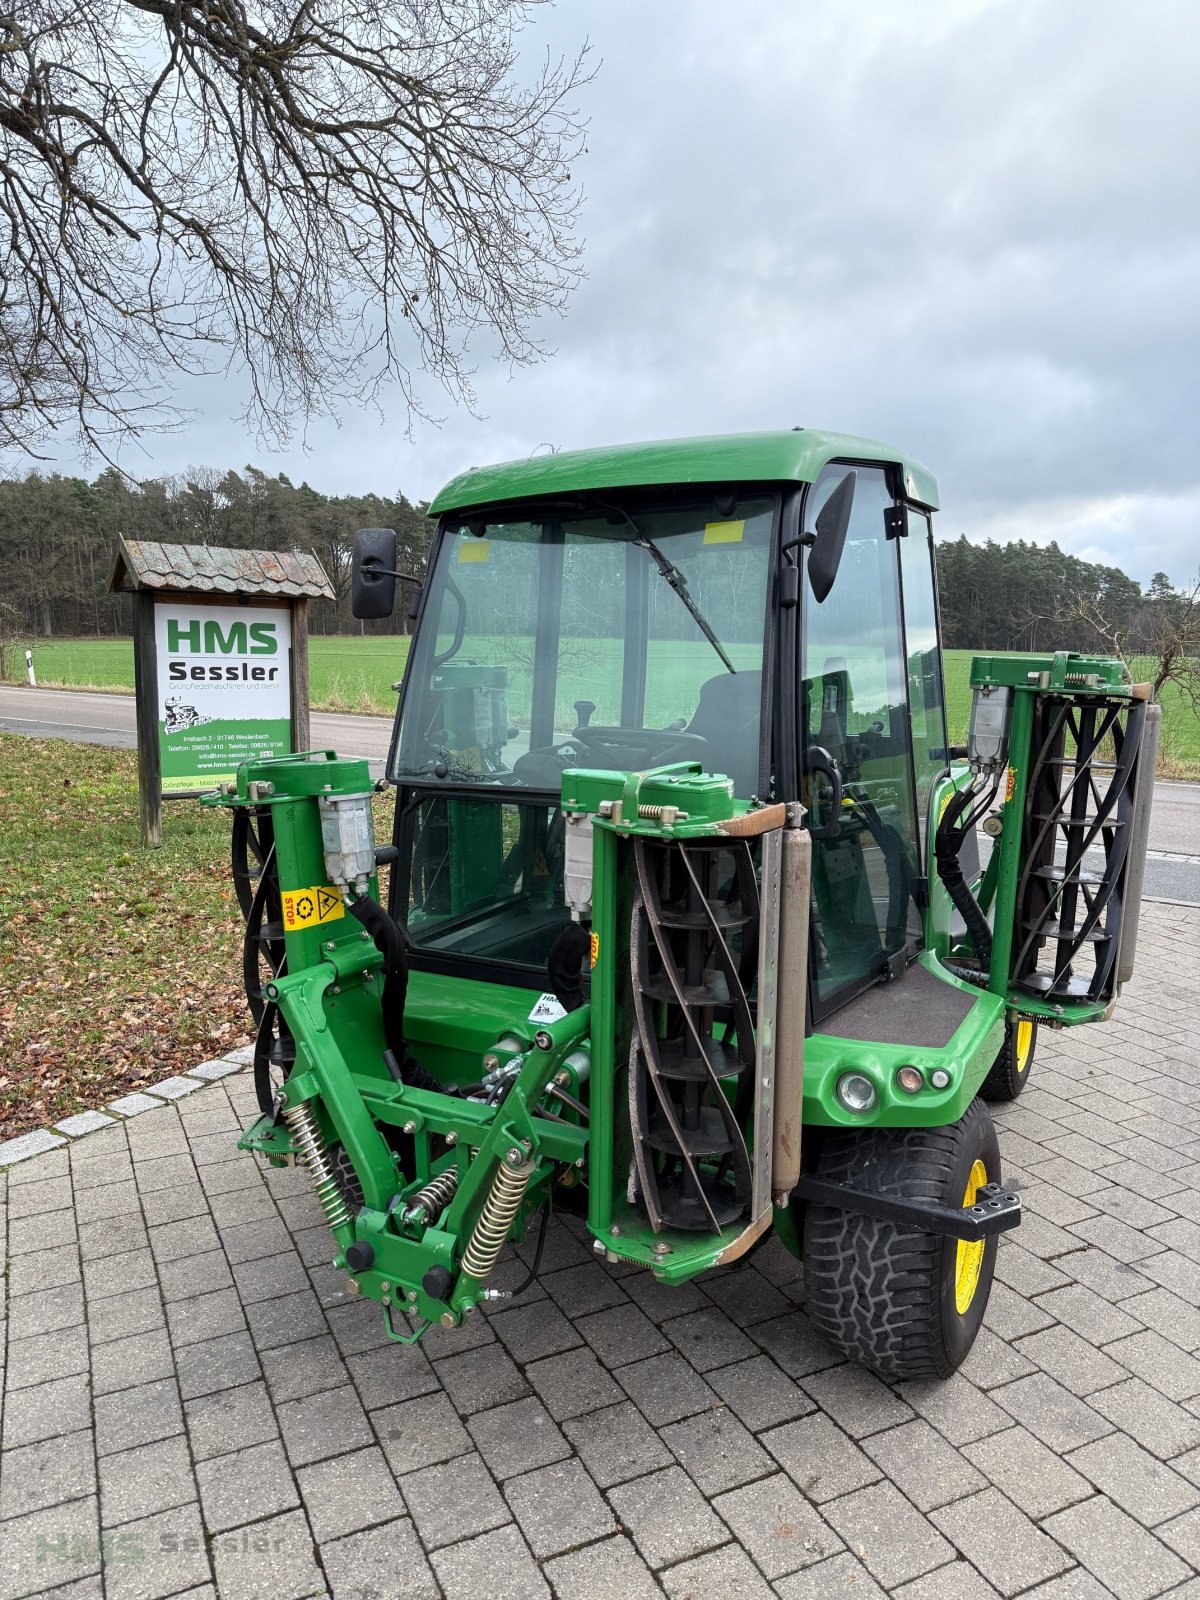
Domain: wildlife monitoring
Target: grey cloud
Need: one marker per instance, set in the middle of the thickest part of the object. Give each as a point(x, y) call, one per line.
point(972, 229)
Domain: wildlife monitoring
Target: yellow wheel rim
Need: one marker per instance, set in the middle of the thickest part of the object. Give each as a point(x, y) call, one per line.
point(969, 1257)
point(1024, 1043)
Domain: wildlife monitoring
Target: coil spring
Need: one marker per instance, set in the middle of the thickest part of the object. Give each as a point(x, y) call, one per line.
point(428, 1203)
point(499, 1209)
point(656, 813)
point(312, 1154)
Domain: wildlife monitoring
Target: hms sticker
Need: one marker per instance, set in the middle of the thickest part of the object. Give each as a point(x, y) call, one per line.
point(305, 908)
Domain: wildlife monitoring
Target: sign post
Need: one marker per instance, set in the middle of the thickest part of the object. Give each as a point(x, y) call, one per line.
point(220, 649)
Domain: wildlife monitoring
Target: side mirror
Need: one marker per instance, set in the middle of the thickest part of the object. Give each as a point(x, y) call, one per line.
point(373, 575)
point(833, 523)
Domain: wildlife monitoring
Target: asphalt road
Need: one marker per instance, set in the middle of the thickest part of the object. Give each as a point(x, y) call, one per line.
point(1172, 864)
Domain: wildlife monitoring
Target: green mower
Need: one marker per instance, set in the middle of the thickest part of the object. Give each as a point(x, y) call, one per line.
point(686, 928)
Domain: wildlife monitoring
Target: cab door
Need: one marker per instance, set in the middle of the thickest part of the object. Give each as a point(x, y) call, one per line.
point(855, 719)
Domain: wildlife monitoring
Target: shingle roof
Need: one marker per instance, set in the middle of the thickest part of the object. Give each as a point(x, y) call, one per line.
point(201, 568)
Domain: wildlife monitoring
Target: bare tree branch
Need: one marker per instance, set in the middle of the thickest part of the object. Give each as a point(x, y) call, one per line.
point(325, 195)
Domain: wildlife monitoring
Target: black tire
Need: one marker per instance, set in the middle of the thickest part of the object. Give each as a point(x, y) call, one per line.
point(887, 1294)
point(1010, 1071)
point(347, 1178)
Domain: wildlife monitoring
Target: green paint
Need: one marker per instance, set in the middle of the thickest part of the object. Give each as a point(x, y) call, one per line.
point(792, 456)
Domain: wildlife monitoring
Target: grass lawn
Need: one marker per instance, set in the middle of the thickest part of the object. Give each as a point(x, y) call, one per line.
point(357, 674)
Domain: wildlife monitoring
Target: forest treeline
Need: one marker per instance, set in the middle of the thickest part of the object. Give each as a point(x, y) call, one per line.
point(58, 535)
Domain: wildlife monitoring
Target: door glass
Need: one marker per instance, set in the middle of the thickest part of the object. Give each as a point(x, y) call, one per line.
point(854, 707)
point(926, 698)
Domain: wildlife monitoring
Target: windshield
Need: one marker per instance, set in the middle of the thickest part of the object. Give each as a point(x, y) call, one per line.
point(597, 636)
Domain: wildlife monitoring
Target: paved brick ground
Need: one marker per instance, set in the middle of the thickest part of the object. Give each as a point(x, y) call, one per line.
point(193, 1406)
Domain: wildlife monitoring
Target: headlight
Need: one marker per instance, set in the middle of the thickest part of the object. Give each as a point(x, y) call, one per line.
point(856, 1092)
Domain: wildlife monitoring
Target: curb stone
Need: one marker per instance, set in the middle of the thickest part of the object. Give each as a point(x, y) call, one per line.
point(70, 1130)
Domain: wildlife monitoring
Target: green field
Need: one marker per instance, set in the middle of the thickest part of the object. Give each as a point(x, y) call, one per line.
point(357, 674)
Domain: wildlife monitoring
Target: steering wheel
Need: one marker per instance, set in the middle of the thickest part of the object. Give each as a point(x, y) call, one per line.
point(663, 745)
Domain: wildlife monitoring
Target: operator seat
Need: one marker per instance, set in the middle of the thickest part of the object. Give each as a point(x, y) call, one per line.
point(727, 716)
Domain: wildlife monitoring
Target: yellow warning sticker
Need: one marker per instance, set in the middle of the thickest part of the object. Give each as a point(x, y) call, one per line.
point(595, 951)
point(474, 550)
point(305, 908)
point(724, 532)
point(1010, 784)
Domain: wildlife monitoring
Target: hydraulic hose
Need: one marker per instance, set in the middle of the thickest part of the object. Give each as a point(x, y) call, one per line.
point(948, 841)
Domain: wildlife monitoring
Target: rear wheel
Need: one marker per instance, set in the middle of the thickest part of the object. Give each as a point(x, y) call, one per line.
point(901, 1301)
point(1010, 1073)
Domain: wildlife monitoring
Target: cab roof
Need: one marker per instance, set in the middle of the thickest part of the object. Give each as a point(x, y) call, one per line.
point(794, 455)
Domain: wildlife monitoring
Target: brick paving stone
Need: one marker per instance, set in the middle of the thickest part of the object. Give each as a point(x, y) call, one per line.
point(530, 1332)
point(137, 1483)
point(1009, 1315)
point(1110, 1279)
point(286, 1320)
point(999, 1539)
point(572, 1383)
point(760, 1394)
point(1077, 1584)
point(121, 1316)
point(273, 1275)
point(27, 1145)
point(662, 1302)
point(46, 1410)
point(32, 1314)
point(1161, 1426)
point(708, 1339)
point(744, 1295)
point(274, 1559)
point(990, 1362)
point(930, 1471)
point(558, 1507)
point(61, 1354)
point(421, 1432)
point(1035, 1478)
point(205, 1316)
point(40, 1552)
point(819, 1458)
point(109, 1275)
point(621, 1335)
point(1148, 1489)
point(1162, 1364)
point(892, 1540)
point(612, 1570)
point(48, 1473)
point(33, 1199)
point(842, 1576)
point(44, 1271)
point(497, 1564)
point(1052, 1413)
point(257, 1477)
point(137, 1416)
point(517, 1438)
point(381, 1561)
point(727, 1571)
point(180, 1280)
point(229, 1420)
point(578, 1290)
point(217, 1364)
point(955, 1407)
point(667, 1516)
point(157, 1555)
point(1090, 1316)
point(1071, 1361)
point(777, 1525)
point(323, 1425)
point(856, 1400)
point(296, 1370)
point(1174, 1318)
point(482, 1378)
point(956, 1581)
point(127, 1362)
point(385, 1377)
point(1183, 1535)
point(795, 1344)
point(716, 1451)
point(616, 1444)
point(666, 1389)
point(348, 1493)
point(1129, 1561)
point(454, 1500)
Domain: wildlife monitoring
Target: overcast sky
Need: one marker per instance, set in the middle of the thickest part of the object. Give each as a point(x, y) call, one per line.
point(968, 228)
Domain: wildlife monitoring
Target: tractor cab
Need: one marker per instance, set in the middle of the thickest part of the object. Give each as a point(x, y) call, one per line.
point(627, 628)
point(686, 928)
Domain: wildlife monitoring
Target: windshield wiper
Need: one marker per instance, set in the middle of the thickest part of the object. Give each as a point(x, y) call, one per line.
point(672, 574)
